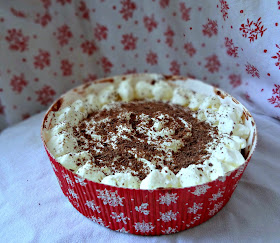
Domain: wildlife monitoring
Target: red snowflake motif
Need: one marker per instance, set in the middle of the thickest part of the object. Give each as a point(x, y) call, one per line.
point(231, 49)
point(25, 116)
point(174, 68)
point(64, 34)
point(89, 47)
point(164, 3)
point(277, 64)
point(235, 80)
point(46, 3)
point(63, 2)
point(84, 10)
point(152, 58)
point(17, 41)
point(106, 65)
point(130, 71)
point(252, 29)
point(211, 28)
point(250, 69)
point(17, 13)
point(2, 108)
point(42, 60)
point(189, 48)
point(18, 83)
point(100, 32)
point(224, 9)
point(185, 12)
point(89, 78)
point(128, 7)
point(45, 95)
point(129, 42)
point(169, 34)
point(66, 67)
point(213, 64)
point(150, 23)
point(275, 100)
point(44, 19)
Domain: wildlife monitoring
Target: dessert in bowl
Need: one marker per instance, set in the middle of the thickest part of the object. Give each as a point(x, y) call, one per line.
point(147, 153)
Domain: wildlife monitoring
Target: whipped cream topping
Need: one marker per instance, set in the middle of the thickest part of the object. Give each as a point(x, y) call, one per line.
point(148, 135)
point(141, 136)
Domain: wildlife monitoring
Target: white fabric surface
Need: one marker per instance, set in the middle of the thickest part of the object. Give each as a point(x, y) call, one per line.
point(34, 209)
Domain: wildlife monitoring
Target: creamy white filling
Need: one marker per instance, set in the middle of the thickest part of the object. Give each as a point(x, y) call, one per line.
point(222, 113)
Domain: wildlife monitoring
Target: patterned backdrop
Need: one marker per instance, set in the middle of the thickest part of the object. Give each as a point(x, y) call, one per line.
point(49, 46)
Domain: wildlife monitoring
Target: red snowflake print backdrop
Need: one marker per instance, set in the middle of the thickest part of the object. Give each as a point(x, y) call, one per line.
point(63, 34)
point(252, 70)
point(18, 13)
point(17, 41)
point(210, 29)
point(152, 58)
point(189, 48)
point(175, 68)
point(18, 83)
point(83, 10)
point(252, 30)
point(164, 3)
point(42, 60)
point(275, 99)
point(231, 49)
point(106, 65)
point(213, 64)
point(43, 19)
point(128, 7)
point(45, 95)
point(224, 9)
point(129, 42)
point(100, 32)
point(185, 12)
point(88, 47)
point(277, 56)
point(169, 35)
point(66, 67)
point(150, 23)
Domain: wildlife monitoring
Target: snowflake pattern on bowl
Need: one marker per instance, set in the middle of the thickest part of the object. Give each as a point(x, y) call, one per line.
point(200, 190)
point(80, 180)
point(168, 198)
point(110, 198)
point(91, 204)
point(168, 216)
point(143, 208)
point(151, 212)
point(144, 227)
point(209, 198)
point(119, 217)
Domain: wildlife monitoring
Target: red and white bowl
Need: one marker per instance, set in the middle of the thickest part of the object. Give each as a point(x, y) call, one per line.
point(148, 212)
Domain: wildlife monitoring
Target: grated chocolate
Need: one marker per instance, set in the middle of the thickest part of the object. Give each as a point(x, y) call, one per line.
point(123, 154)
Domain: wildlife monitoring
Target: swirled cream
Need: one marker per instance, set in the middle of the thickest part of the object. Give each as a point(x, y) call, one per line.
point(149, 134)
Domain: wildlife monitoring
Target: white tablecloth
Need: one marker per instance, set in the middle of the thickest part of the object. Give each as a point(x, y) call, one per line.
point(34, 209)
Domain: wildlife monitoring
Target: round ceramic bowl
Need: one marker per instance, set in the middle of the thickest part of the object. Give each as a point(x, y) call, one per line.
point(147, 212)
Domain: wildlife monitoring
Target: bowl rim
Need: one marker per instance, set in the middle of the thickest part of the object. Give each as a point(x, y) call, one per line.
point(108, 80)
